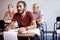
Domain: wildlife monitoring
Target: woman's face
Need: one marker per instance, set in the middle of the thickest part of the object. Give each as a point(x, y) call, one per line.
point(10, 8)
point(35, 8)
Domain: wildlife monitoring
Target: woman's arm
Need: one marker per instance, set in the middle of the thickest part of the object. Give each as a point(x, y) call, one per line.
point(5, 16)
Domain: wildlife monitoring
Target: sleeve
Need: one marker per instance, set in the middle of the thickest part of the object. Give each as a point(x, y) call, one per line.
point(14, 18)
point(41, 12)
point(31, 16)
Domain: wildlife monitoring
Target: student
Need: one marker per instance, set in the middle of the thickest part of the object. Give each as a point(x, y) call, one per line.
point(24, 18)
point(38, 15)
point(9, 13)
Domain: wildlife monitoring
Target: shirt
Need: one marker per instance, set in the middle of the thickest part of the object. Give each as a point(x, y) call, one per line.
point(23, 22)
point(39, 13)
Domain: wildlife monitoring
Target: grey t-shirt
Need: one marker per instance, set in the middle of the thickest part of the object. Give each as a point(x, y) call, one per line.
point(39, 13)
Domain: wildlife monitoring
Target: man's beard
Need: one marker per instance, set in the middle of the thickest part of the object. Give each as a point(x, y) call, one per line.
point(21, 12)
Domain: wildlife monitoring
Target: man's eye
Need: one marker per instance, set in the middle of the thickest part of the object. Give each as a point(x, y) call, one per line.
point(17, 6)
point(20, 6)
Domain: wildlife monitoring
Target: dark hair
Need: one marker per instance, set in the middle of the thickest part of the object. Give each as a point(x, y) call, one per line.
point(22, 2)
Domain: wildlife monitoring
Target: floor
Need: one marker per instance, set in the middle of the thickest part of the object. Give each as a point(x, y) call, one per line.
point(50, 37)
point(46, 37)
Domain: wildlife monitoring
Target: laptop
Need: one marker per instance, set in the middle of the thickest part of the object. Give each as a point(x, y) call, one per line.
point(2, 25)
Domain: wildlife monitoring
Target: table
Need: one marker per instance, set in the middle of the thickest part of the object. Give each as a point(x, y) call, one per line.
point(23, 35)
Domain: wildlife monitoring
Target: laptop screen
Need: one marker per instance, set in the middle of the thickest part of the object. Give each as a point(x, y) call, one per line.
point(2, 24)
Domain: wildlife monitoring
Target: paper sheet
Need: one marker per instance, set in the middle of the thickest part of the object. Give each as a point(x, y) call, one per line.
point(10, 35)
point(36, 31)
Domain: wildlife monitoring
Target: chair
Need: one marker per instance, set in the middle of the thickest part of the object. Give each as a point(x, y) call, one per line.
point(41, 27)
point(56, 27)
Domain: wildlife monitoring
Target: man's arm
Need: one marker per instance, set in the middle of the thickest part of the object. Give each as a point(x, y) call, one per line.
point(32, 26)
point(33, 22)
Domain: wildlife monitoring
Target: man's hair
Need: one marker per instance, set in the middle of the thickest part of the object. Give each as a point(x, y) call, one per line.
point(22, 2)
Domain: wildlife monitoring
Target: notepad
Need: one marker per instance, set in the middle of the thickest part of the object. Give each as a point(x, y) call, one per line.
point(10, 35)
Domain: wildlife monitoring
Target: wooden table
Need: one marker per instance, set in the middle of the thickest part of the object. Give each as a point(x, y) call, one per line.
point(23, 35)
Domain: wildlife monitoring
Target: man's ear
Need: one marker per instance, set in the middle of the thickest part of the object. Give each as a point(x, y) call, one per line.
point(25, 8)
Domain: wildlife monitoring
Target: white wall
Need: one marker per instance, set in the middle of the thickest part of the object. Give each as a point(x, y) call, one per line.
point(51, 9)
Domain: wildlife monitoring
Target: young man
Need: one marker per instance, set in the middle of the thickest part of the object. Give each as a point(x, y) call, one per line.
point(24, 18)
point(38, 15)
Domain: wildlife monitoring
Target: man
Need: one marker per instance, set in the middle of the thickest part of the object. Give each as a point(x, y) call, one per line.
point(24, 18)
point(38, 15)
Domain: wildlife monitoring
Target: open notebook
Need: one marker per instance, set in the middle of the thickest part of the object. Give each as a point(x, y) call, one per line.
point(10, 35)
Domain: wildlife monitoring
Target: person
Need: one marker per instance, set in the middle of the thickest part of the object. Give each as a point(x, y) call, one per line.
point(38, 15)
point(9, 13)
point(25, 20)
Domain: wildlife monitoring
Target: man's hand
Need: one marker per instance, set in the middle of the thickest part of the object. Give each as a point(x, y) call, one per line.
point(21, 30)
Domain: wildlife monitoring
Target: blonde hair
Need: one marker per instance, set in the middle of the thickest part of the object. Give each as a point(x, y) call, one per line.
point(36, 4)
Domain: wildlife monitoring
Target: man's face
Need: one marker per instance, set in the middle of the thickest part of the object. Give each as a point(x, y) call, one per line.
point(35, 8)
point(20, 8)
